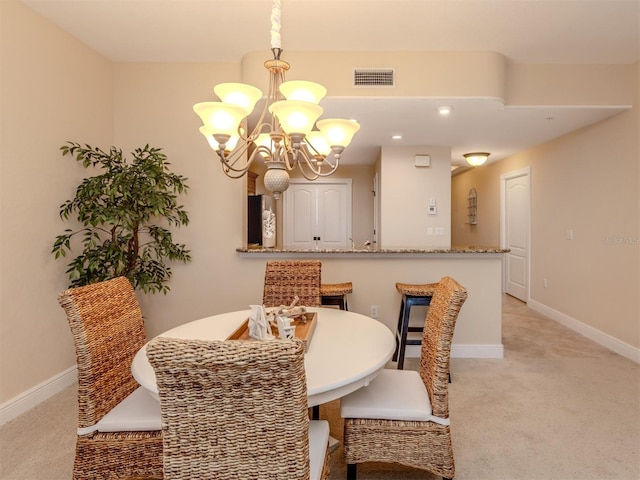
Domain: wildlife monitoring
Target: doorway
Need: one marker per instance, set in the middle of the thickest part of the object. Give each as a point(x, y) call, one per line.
point(515, 222)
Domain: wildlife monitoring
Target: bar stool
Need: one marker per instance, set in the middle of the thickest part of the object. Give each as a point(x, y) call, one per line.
point(412, 295)
point(335, 294)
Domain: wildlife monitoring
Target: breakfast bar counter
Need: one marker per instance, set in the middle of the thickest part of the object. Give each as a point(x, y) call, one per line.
point(374, 273)
point(464, 250)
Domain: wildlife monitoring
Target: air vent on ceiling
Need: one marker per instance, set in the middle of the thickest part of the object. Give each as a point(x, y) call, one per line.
point(374, 77)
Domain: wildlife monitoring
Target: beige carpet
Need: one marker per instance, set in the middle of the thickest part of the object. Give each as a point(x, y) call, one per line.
point(557, 407)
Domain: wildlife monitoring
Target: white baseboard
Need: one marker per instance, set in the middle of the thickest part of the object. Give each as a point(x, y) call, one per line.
point(604, 339)
point(32, 397)
point(464, 351)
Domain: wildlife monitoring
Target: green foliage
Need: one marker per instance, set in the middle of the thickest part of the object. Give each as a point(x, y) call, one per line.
point(119, 211)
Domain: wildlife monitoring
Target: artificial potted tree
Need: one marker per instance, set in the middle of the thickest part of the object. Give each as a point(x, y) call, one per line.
point(125, 213)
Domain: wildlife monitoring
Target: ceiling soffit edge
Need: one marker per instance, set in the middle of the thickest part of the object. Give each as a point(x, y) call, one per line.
point(418, 74)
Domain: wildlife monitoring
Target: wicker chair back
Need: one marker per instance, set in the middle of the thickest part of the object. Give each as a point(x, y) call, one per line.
point(232, 409)
point(107, 328)
point(448, 297)
point(284, 279)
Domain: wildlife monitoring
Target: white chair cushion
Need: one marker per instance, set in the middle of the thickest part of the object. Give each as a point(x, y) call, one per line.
point(139, 412)
point(318, 444)
point(392, 395)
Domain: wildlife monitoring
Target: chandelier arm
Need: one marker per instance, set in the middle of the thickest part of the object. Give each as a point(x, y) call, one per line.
point(235, 174)
point(257, 130)
point(327, 173)
point(229, 166)
point(287, 154)
point(312, 151)
point(232, 158)
point(264, 150)
point(317, 170)
point(332, 166)
point(307, 164)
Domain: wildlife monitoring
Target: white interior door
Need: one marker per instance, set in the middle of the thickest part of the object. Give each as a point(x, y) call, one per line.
point(516, 206)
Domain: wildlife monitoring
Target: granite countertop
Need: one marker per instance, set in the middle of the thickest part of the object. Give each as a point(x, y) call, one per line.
point(455, 249)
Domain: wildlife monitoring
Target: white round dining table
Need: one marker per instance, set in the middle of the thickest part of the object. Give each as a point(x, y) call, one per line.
point(346, 351)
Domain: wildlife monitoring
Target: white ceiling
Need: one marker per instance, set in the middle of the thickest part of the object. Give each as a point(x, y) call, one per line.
point(525, 31)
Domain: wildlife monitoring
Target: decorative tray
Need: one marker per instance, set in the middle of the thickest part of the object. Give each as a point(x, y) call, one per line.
point(304, 330)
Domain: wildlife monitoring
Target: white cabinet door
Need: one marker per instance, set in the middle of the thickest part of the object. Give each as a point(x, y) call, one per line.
point(332, 216)
point(300, 217)
point(317, 215)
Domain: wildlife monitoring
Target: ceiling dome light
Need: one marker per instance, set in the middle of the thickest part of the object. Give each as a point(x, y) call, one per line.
point(445, 110)
point(476, 159)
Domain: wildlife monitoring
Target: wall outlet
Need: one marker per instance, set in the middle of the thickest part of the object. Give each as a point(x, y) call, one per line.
point(374, 311)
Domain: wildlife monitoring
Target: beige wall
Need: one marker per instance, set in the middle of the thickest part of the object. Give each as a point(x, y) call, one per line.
point(569, 84)
point(586, 181)
point(405, 191)
point(153, 106)
point(55, 89)
point(362, 199)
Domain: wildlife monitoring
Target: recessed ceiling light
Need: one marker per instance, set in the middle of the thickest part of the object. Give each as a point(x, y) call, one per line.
point(396, 137)
point(445, 110)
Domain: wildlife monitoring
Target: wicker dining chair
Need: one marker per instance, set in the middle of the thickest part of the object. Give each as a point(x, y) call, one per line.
point(237, 410)
point(119, 429)
point(402, 416)
point(284, 279)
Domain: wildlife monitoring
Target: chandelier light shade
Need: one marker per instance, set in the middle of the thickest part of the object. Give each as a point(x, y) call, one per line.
point(318, 144)
point(296, 117)
point(337, 131)
point(303, 90)
point(245, 96)
point(476, 159)
point(286, 136)
point(220, 118)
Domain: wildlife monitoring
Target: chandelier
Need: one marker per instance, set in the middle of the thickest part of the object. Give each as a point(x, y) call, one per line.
point(284, 136)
